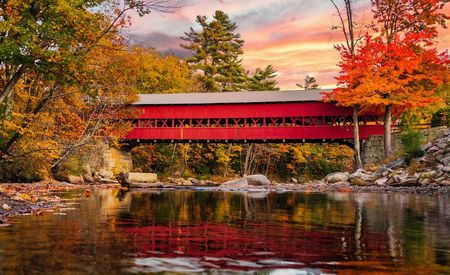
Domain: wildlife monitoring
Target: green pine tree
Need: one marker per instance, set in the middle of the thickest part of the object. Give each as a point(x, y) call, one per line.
point(216, 53)
point(310, 83)
point(263, 80)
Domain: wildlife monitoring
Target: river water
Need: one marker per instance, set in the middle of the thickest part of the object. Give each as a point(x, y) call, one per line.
point(220, 233)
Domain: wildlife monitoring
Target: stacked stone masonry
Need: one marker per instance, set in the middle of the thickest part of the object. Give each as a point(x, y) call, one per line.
point(373, 148)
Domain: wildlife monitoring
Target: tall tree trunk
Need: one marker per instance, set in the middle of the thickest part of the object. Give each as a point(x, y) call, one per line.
point(268, 164)
point(174, 149)
point(248, 159)
point(227, 166)
point(12, 83)
point(356, 142)
point(387, 132)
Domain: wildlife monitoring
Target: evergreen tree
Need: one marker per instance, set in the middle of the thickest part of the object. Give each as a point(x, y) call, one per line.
point(216, 53)
point(310, 83)
point(263, 80)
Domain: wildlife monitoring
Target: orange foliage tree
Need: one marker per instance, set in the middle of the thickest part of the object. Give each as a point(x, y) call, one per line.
point(419, 18)
point(398, 69)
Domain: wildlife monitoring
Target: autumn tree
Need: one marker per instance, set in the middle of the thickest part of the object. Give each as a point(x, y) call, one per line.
point(309, 83)
point(160, 74)
point(216, 50)
point(57, 97)
point(263, 80)
point(51, 37)
point(400, 20)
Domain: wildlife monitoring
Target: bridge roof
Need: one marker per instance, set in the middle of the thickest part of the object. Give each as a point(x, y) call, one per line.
point(231, 97)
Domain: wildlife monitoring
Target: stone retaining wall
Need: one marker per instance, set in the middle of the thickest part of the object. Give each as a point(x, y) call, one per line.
point(373, 148)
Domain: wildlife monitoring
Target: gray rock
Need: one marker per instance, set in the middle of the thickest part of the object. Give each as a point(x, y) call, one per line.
point(399, 178)
point(382, 171)
point(442, 144)
point(234, 184)
point(396, 163)
point(381, 181)
point(337, 177)
point(257, 180)
point(427, 146)
point(294, 180)
point(445, 161)
point(432, 149)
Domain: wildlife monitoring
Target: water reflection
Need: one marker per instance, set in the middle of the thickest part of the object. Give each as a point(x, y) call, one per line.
point(187, 231)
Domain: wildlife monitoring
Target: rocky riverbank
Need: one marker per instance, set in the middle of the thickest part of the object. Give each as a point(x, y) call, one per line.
point(429, 175)
point(33, 198)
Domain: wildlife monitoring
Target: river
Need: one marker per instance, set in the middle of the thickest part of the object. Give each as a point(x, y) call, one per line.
point(112, 232)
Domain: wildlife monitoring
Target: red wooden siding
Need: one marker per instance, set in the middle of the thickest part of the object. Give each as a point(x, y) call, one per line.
point(261, 121)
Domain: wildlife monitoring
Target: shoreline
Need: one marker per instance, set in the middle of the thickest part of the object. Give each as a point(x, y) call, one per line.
point(33, 198)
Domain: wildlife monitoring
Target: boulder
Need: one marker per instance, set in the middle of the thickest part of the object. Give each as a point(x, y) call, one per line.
point(445, 160)
point(75, 179)
point(142, 177)
point(337, 177)
point(185, 182)
point(105, 174)
point(294, 180)
point(360, 173)
point(396, 163)
point(358, 181)
point(426, 146)
point(432, 149)
point(257, 180)
point(382, 171)
point(381, 181)
point(442, 144)
point(445, 182)
point(446, 169)
point(194, 181)
point(234, 184)
point(428, 174)
point(410, 181)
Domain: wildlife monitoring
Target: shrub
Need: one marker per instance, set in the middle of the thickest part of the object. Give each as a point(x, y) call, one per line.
point(411, 142)
point(441, 117)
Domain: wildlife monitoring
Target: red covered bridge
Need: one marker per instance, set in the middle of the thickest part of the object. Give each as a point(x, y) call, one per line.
point(270, 116)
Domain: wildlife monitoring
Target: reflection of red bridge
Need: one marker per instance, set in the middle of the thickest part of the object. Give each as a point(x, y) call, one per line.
point(247, 116)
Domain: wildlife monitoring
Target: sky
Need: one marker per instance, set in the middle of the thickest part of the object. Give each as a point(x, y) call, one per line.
point(294, 36)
